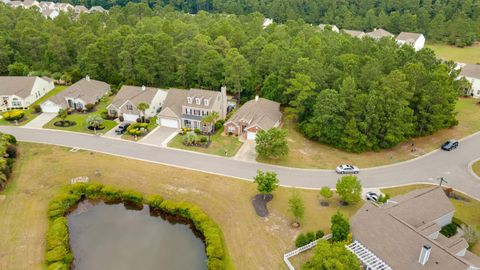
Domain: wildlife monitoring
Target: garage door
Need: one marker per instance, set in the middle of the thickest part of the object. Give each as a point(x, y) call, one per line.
point(130, 117)
point(251, 135)
point(169, 123)
point(50, 107)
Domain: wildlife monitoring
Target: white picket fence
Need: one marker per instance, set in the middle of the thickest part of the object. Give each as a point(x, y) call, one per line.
point(308, 246)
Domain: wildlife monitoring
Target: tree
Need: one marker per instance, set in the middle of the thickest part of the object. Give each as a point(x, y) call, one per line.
point(332, 256)
point(95, 121)
point(470, 234)
point(266, 182)
point(349, 189)
point(17, 69)
point(271, 143)
point(142, 106)
point(326, 193)
point(215, 116)
point(296, 206)
point(340, 227)
point(62, 114)
point(236, 71)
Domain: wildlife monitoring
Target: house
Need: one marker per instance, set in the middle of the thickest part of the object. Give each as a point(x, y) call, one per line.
point(128, 97)
point(21, 92)
point(333, 27)
point(65, 7)
point(85, 91)
point(416, 40)
point(378, 34)
point(15, 4)
point(80, 9)
point(50, 13)
point(404, 234)
point(185, 108)
point(253, 116)
point(354, 33)
point(472, 74)
point(98, 9)
point(266, 22)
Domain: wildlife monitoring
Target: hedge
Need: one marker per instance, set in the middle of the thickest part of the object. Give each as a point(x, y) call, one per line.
point(59, 256)
point(13, 115)
point(8, 153)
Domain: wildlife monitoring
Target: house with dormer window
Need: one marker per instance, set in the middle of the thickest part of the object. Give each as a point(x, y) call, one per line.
point(186, 108)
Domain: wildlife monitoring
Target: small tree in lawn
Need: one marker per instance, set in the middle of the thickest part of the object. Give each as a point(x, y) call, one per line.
point(349, 189)
point(326, 193)
point(95, 121)
point(266, 182)
point(215, 116)
point(62, 114)
point(340, 227)
point(272, 143)
point(296, 206)
point(207, 120)
point(142, 106)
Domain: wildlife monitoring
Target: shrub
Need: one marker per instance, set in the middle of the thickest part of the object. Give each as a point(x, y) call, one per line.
point(120, 118)
point(13, 115)
point(340, 227)
point(154, 201)
point(190, 138)
point(89, 107)
point(319, 234)
point(147, 120)
point(197, 131)
point(203, 139)
point(58, 266)
point(219, 124)
point(310, 236)
point(449, 230)
point(301, 240)
point(111, 194)
point(37, 108)
point(9, 138)
point(132, 196)
point(11, 151)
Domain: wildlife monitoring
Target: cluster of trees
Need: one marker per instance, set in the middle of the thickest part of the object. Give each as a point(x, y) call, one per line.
point(354, 94)
point(457, 22)
point(8, 154)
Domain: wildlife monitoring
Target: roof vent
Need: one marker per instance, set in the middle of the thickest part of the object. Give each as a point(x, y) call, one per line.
point(424, 254)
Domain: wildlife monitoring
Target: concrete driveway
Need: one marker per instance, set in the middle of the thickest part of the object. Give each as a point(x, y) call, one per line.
point(111, 133)
point(160, 136)
point(247, 152)
point(40, 120)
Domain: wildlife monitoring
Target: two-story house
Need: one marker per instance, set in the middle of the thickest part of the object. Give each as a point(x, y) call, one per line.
point(186, 108)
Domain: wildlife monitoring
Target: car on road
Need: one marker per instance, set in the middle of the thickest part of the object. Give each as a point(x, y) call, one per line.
point(347, 169)
point(450, 145)
point(371, 196)
point(122, 128)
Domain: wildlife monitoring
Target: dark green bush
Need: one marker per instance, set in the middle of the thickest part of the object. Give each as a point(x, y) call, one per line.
point(12, 151)
point(219, 124)
point(58, 266)
point(132, 196)
point(37, 108)
point(301, 240)
point(319, 234)
point(197, 131)
point(89, 107)
point(9, 138)
point(449, 230)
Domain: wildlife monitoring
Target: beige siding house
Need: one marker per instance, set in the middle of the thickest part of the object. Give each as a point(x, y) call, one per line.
point(21, 92)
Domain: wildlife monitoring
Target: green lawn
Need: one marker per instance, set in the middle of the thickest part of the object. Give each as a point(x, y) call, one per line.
point(30, 114)
point(466, 211)
point(151, 126)
point(81, 120)
point(220, 143)
point(469, 55)
point(476, 167)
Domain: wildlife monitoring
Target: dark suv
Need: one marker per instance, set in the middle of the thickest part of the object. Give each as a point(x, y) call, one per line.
point(450, 145)
point(122, 128)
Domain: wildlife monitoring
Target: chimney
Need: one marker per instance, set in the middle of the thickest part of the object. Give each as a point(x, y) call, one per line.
point(256, 98)
point(143, 87)
point(424, 254)
point(224, 104)
point(87, 78)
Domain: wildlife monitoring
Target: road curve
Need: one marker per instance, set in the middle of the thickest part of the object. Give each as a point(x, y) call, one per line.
point(451, 165)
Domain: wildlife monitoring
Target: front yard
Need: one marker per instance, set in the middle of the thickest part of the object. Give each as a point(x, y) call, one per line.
point(305, 153)
point(30, 113)
point(81, 120)
point(221, 145)
point(466, 211)
point(23, 205)
point(151, 126)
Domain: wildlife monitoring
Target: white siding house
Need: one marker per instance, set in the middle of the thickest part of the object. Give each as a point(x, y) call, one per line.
point(21, 92)
point(472, 74)
point(416, 40)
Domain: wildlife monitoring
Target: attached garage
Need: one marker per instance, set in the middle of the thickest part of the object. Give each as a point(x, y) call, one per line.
point(50, 107)
point(172, 123)
point(251, 135)
point(130, 117)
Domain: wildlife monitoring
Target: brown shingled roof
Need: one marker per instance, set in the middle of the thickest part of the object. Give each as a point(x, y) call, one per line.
point(135, 94)
point(262, 112)
point(472, 71)
point(379, 33)
point(18, 85)
point(87, 90)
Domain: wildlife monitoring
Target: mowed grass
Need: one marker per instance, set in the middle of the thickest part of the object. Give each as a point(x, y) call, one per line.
point(221, 145)
point(81, 120)
point(305, 153)
point(466, 211)
point(30, 113)
point(469, 55)
point(252, 242)
point(476, 168)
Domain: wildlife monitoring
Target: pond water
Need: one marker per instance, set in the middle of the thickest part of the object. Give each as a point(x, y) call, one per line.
point(113, 237)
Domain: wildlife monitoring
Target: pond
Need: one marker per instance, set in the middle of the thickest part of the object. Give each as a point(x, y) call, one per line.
point(110, 236)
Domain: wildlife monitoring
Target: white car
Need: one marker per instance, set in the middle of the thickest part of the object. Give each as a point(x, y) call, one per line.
point(347, 169)
point(372, 196)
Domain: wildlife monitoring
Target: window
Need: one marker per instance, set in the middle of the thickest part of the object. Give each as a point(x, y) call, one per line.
point(196, 112)
point(129, 107)
point(16, 102)
point(205, 102)
point(197, 100)
point(189, 99)
point(231, 129)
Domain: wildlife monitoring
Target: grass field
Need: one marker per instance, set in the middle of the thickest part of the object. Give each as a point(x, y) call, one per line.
point(220, 145)
point(253, 242)
point(476, 167)
point(30, 114)
point(305, 153)
point(469, 55)
point(466, 211)
point(81, 120)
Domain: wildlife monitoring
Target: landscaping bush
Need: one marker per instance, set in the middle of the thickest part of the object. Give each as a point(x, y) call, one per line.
point(190, 138)
point(13, 115)
point(301, 240)
point(37, 108)
point(449, 230)
point(8, 153)
point(219, 124)
point(203, 139)
point(89, 107)
point(137, 129)
point(9, 138)
point(147, 120)
point(319, 234)
point(11, 151)
point(197, 131)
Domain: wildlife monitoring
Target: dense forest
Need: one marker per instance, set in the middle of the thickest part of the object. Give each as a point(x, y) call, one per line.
point(355, 94)
point(453, 21)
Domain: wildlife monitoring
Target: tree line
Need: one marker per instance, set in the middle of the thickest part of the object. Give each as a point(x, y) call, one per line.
point(456, 22)
point(354, 94)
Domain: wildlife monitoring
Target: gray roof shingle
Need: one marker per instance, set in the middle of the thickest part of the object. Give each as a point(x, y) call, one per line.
point(18, 85)
point(262, 112)
point(85, 89)
point(472, 71)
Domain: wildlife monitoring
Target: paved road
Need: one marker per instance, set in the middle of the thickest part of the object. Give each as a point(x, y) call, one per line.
point(452, 165)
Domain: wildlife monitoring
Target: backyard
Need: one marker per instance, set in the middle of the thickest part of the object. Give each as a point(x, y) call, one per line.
point(30, 113)
point(469, 55)
point(221, 145)
point(466, 211)
point(23, 204)
point(304, 153)
point(81, 119)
